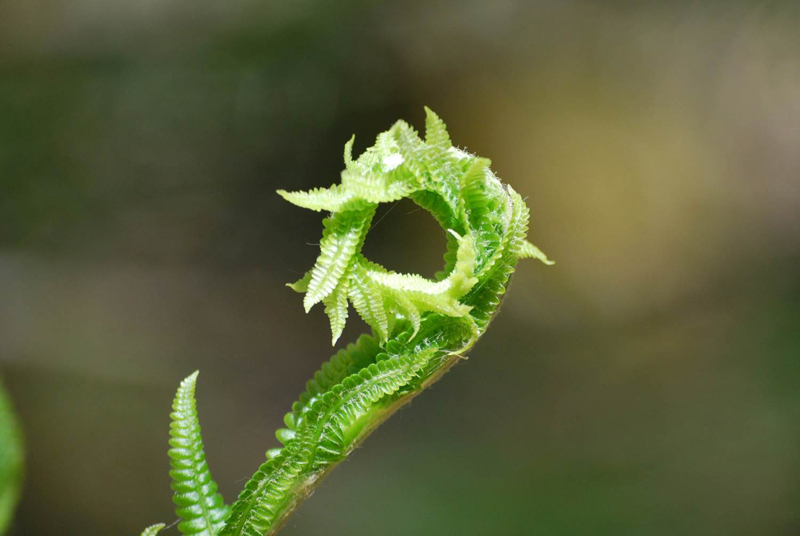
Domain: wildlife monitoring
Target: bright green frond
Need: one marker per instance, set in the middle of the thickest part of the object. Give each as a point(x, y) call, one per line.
point(201, 509)
point(474, 199)
point(411, 148)
point(345, 362)
point(301, 285)
point(331, 426)
point(403, 305)
point(408, 282)
point(421, 327)
point(436, 131)
point(463, 277)
point(331, 199)
point(152, 530)
point(342, 238)
point(424, 295)
point(348, 152)
point(529, 251)
point(382, 158)
point(336, 309)
point(486, 224)
point(367, 300)
point(493, 277)
point(378, 188)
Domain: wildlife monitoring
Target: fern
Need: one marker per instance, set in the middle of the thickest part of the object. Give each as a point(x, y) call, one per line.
point(421, 327)
point(201, 509)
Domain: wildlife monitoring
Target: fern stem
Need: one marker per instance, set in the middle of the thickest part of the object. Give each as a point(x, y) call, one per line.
point(377, 416)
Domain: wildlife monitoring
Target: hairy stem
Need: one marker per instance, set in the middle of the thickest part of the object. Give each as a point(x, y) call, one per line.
point(366, 425)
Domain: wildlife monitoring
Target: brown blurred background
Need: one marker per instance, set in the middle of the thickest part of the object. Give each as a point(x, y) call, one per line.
point(648, 384)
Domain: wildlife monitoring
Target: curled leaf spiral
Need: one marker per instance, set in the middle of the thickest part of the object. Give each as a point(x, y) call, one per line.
point(420, 327)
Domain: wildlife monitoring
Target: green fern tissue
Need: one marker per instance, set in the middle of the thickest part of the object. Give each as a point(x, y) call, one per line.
point(420, 327)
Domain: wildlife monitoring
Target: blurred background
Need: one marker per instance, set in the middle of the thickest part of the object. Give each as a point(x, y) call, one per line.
point(647, 384)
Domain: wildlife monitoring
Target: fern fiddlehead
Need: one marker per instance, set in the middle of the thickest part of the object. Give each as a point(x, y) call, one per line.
point(421, 327)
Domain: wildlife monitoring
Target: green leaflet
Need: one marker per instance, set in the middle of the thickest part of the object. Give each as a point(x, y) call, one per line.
point(152, 530)
point(201, 509)
point(336, 308)
point(529, 251)
point(331, 199)
point(301, 285)
point(436, 132)
point(378, 188)
point(421, 327)
point(11, 460)
point(368, 301)
point(343, 236)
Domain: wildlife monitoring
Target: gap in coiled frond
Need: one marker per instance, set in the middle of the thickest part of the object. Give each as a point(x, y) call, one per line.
point(403, 227)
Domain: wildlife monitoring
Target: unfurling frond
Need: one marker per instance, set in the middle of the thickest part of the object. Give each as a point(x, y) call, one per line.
point(201, 509)
point(485, 224)
point(421, 327)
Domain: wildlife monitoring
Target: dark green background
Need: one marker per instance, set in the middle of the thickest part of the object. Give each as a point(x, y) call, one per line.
point(647, 384)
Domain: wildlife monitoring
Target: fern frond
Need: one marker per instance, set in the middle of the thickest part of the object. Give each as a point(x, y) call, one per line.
point(413, 318)
point(336, 309)
point(494, 277)
point(343, 236)
point(436, 131)
point(485, 225)
point(411, 148)
point(378, 188)
point(476, 201)
point(301, 285)
point(462, 279)
point(348, 152)
point(152, 530)
point(347, 361)
point(529, 251)
point(201, 509)
point(368, 301)
point(421, 327)
point(331, 199)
